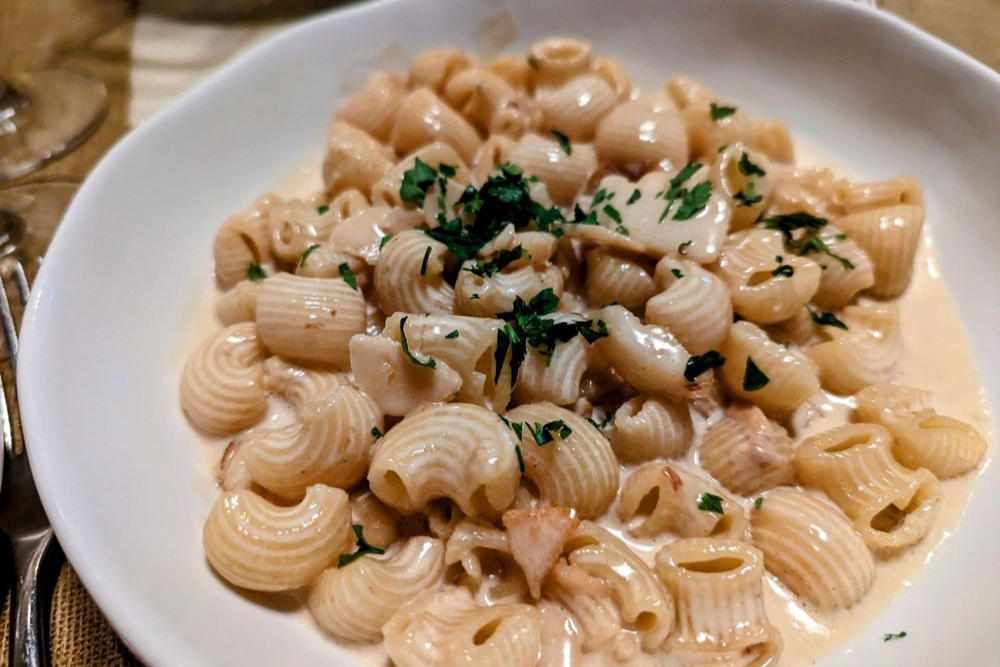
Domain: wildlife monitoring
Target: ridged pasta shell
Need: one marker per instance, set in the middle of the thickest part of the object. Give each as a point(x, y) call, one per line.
point(891, 507)
point(373, 109)
point(867, 353)
point(310, 318)
point(260, 546)
point(729, 179)
point(564, 175)
point(301, 385)
point(747, 452)
point(648, 427)
point(810, 547)
point(889, 236)
point(380, 523)
point(354, 602)
point(222, 386)
point(238, 304)
point(491, 103)
point(386, 191)
point(242, 241)
point(434, 68)
point(839, 284)
point(458, 451)
point(480, 296)
point(424, 118)
point(578, 471)
point(331, 445)
point(576, 105)
point(404, 283)
point(791, 379)
point(556, 379)
point(615, 278)
point(353, 160)
point(694, 307)
point(642, 134)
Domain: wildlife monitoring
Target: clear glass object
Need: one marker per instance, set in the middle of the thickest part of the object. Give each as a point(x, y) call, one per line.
point(29, 216)
point(45, 114)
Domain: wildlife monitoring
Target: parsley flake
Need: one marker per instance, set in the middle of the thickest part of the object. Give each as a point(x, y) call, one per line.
point(754, 378)
point(430, 362)
point(348, 276)
point(546, 433)
point(256, 273)
point(749, 196)
point(603, 424)
point(826, 319)
point(423, 263)
point(364, 548)
point(416, 182)
point(634, 197)
point(758, 502)
point(677, 273)
point(783, 269)
point(454, 334)
point(500, 261)
point(322, 209)
point(748, 168)
point(709, 502)
point(889, 636)
point(613, 213)
point(520, 457)
point(385, 239)
point(694, 201)
point(677, 189)
point(377, 433)
point(309, 251)
point(808, 239)
point(563, 140)
point(719, 112)
point(700, 363)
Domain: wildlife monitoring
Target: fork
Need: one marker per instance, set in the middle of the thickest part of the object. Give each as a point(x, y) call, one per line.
point(34, 550)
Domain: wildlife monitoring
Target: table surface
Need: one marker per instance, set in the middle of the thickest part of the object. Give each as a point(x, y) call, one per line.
point(98, 36)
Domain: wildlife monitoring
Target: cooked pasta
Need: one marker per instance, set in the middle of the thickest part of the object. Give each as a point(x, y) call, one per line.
point(555, 368)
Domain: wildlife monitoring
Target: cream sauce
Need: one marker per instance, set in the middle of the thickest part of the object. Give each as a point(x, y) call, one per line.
point(936, 356)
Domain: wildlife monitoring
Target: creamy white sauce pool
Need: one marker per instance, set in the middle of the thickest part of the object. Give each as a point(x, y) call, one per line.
point(936, 357)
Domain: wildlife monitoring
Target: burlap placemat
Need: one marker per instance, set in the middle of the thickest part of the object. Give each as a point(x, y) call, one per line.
point(96, 36)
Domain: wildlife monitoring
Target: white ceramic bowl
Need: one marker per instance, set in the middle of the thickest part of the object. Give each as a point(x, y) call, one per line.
point(118, 467)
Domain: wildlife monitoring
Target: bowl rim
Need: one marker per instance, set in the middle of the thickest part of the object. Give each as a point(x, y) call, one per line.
point(155, 648)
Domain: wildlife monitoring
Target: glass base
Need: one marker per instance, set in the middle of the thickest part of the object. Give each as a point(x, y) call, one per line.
point(29, 216)
point(45, 114)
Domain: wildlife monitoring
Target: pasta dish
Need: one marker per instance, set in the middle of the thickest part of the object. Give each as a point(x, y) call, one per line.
point(555, 372)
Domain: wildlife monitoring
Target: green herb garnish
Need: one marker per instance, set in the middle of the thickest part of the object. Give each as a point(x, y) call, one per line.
point(305, 255)
point(748, 168)
point(500, 261)
point(889, 636)
point(809, 240)
point(520, 457)
point(754, 378)
point(385, 239)
point(255, 273)
point(634, 197)
point(709, 502)
point(826, 319)
point(377, 433)
point(677, 273)
point(563, 140)
point(322, 209)
point(783, 269)
point(416, 182)
point(452, 335)
point(694, 201)
point(677, 189)
point(758, 502)
point(719, 112)
point(682, 249)
point(600, 426)
point(348, 276)
point(430, 362)
point(748, 197)
point(363, 548)
point(546, 433)
point(700, 363)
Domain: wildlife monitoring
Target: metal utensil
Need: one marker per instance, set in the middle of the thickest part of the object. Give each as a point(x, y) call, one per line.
point(22, 517)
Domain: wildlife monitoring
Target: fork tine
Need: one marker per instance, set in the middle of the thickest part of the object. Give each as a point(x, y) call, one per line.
point(22, 282)
point(7, 314)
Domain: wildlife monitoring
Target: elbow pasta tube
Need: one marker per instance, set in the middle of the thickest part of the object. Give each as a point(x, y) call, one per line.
point(693, 305)
point(331, 445)
point(379, 523)
point(613, 277)
point(373, 109)
point(435, 67)
point(386, 191)
point(844, 278)
point(771, 137)
point(243, 241)
point(747, 452)
point(889, 236)
point(718, 589)
point(575, 107)
point(301, 385)
point(711, 123)
point(260, 546)
point(782, 382)
point(811, 548)
point(866, 353)
point(648, 427)
point(891, 507)
point(515, 71)
point(355, 601)
point(238, 304)
point(629, 584)
point(576, 470)
point(490, 103)
point(311, 319)
point(405, 283)
point(441, 629)
point(642, 134)
point(767, 284)
point(742, 175)
point(457, 451)
point(678, 498)
point(556, 379)
point(921, 438)
point(222, 386)
point(482, 296)
point(563, 175)
point(424, 118)
point(353, 160)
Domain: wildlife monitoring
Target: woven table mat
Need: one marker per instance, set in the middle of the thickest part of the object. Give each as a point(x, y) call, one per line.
point(96, 36)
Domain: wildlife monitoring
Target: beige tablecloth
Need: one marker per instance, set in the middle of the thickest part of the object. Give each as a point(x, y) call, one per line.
point(147, 61)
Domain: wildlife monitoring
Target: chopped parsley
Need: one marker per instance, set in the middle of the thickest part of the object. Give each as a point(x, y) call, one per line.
point(305, 255)
point(826, 319)
point(377, 433)
point(423, 263)
point(452, 335)
point(363, 548)
point(783, 269)
point(700, 363)
point(520, 457)
point(500, 261)
point(682, 249)
point(563, 140)
point(543, 434)
point(526, 325)
point(758, 502)
point(677, 273)
point(255, 273)
point(889, 636)
point(600, 426)
point(809, 240)
point(754, 378)
point(694, 201)
point(581, 218)
point(748, 168)
point(719, 112)
point(709, 502)
point(634, 197)
point(430, 362)
point(322, 209)
point(348, 276)
point(599, 197)
point(613, 213)
point(677, 190)
point(416, 182)
point(516, 427)
point(385, 239)
point(748, 197)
